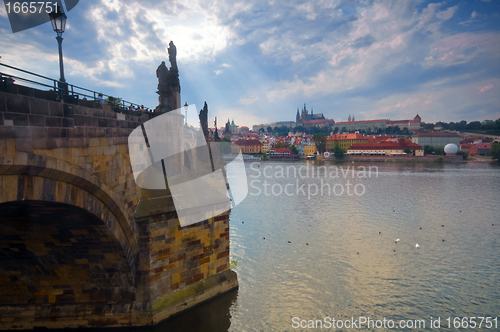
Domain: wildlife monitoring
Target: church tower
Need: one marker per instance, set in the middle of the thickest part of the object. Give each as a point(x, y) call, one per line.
point(304, 115)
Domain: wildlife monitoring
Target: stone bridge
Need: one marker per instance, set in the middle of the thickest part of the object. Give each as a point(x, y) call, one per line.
point(80, 243)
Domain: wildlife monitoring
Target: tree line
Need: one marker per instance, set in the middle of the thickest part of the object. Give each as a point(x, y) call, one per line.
point(486, 127)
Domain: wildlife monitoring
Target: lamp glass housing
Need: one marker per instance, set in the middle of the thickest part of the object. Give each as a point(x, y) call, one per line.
point(58, 21)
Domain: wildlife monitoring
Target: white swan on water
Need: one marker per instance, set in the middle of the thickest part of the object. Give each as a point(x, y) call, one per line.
point(417, 246)
point(397, 240)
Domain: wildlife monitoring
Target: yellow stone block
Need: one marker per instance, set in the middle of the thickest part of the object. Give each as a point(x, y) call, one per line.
point(82, 298)
point(55, 292)
point(176, 278)
point(81, 261)
point(112, 256)
point(52, 299)
point(8, 147)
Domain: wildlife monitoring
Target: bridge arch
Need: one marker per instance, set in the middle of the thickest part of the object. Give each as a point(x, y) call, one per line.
point(55, 253)
point(42, 178)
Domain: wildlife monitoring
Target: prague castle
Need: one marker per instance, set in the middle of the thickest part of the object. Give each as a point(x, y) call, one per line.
point(307, 119)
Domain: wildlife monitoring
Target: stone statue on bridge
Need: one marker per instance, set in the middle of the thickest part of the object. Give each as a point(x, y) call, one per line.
point(169, 88)
point(204, 120)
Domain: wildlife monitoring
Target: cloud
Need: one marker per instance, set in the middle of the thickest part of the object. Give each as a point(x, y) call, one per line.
point(447, 14)
point(485, 88)
point(248, 100)
point(462, 48)
point(380, 58)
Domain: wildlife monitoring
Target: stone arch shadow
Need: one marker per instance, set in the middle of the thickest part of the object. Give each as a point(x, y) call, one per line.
point(46, 179)
point(55, 253)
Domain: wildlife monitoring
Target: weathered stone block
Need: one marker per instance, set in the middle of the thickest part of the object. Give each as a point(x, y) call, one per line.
point(102, 122)
point(62, 142)
point(3, 106)
point(17, 104)
point(91, 121)
point(110, 114)
point(56, 133)
point(23, 131)
point(56, 109)
point(79, 120)
point(38, 132)
point(36, 120)
point(112, 123)
point(39, 106)
point(68, 123)
point(53, 121)
point(68, 110)
point(18, 119)
point(98, 113)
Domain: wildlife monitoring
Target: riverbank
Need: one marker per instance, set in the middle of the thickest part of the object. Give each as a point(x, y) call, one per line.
point(400, 159)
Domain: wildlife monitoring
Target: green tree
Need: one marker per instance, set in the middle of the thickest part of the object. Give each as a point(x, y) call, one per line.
point(428, 126)
point(463, 154)
point(294, 149)
point(344, 129)
point(300, 129)
point(338, 152)
point(279, 145)
point(269, 129)
point(320, 141)
point(407, 151)
point(261, 130)
point(474, 125)
point(495, 151)
point(439, 151)
point(428, 149)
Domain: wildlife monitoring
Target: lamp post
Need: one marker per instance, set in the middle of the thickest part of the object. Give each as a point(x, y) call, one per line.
point(58, 20)
point(186, 110)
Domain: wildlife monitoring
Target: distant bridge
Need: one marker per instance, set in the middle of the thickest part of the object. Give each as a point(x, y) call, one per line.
point(80, 243)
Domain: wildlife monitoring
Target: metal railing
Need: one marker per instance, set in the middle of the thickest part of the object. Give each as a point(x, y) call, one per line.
point(63, 89)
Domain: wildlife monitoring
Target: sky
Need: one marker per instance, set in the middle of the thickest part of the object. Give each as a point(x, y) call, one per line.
point(258, 61)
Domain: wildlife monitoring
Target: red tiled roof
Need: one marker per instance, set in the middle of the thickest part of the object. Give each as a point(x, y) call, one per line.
point(436, 134)
point(386, 145)
point(248, 142)
point(282, 150)
point(348, 122)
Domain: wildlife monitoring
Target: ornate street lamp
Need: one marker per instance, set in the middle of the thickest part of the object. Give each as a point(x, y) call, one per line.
point(58, 20)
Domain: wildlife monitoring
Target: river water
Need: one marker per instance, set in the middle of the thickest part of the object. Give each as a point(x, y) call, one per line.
point(306, 255)
point(341, 262)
